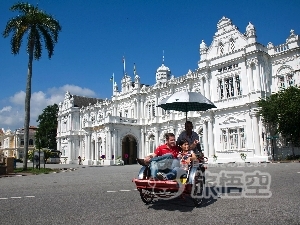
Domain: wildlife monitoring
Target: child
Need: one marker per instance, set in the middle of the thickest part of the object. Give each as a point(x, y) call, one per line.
point(185, 157)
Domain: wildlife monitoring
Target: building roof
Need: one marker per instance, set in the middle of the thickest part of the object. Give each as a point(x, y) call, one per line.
point(80, 101)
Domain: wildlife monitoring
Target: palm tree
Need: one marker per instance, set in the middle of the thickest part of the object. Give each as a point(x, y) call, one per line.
point(37, 25)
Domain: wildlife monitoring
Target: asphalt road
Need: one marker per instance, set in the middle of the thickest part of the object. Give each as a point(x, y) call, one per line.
point(106, 195)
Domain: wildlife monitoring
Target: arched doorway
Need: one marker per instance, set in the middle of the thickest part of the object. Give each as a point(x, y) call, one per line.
point(129, 150)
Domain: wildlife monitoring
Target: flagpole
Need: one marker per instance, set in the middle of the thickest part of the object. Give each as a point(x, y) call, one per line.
point(113, 81)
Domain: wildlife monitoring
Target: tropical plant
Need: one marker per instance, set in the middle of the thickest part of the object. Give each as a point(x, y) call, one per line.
point(38, 25)
point(47, 128)
point(280, 112)
point(243, 156)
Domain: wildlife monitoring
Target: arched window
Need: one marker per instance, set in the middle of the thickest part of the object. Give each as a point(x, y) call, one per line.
point(152, 146)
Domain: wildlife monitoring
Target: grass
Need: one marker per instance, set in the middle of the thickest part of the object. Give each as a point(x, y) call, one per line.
point(35, 171)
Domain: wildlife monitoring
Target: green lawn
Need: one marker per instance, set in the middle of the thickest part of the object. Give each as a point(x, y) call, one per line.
point(35, 171)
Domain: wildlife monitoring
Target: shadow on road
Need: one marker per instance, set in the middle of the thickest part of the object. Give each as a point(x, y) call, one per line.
point(185, 204)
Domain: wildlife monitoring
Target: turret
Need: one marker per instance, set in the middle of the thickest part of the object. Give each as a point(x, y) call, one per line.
point(203, 50)
point(251, 33)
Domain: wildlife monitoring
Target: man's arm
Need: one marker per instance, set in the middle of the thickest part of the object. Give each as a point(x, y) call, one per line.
point(196, 141)
point(149, 157)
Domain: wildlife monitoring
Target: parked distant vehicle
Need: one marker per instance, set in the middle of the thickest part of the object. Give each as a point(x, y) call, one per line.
point(54, 158)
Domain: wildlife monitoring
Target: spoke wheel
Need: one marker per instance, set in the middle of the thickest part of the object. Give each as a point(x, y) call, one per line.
point(146, 196)
point(198, 187)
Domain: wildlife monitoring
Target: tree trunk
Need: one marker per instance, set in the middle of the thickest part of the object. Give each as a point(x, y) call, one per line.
point(27, 107)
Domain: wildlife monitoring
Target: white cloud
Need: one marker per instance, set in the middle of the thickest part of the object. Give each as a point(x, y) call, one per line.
point(74, 90)
point(18, 98)
point(6, 109)
point(12, 117)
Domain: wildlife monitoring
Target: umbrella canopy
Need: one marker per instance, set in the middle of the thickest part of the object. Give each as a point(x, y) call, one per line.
point(186, 101)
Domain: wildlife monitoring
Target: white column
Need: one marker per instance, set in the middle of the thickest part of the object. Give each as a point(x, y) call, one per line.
point(257, 149)
point(141, 109)
point(70, 142)
point(86, 146)
point(96, 149)
point(137, 112)
point(109, 145)
point(88, 152)
point(207, 90)
point(157, 137)
point(202, 86)
point(114, 145)
point(205, 142)
point(211, 137)
point(258, 77)
point(142, 153)
point(250, 78)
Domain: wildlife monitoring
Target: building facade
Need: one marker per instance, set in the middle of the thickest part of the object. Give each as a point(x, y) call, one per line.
point(234, 72)
point(12, 142)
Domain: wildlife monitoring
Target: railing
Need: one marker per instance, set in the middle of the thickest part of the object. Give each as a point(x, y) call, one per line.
point(281, 48)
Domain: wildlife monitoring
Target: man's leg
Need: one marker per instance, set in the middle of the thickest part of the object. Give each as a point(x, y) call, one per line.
point(155, 160)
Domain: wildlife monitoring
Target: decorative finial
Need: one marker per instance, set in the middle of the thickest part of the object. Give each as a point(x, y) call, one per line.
point(163, 57)
point(292, 32)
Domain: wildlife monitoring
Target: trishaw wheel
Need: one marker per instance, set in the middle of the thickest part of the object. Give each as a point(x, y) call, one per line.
point(198, 187)
point(146, 196)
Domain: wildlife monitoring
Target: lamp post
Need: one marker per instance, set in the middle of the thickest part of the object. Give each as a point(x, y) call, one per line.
point(272, 138)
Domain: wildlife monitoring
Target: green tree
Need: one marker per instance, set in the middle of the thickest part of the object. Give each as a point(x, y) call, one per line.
point(47, 128)
point(280, 111)
point(38, 25)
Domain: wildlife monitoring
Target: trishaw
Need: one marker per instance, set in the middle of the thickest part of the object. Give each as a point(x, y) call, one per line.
point(189, 184)
point(192, 183)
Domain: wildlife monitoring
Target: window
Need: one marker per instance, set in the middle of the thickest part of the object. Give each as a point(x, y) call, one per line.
point(238, 85)
point(22, 142)
point(290, 80)
point(232, 45)
point(221, 48)
point(152, 146)
point(151, 109)
point(281, 82)
point(30, 142)
point(229, 87)
point(221, 90)
point(233, 138)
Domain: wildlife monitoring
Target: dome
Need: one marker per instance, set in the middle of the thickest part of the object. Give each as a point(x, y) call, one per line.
point(162, 68)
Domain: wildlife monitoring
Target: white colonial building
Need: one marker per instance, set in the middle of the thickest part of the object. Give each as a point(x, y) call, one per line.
point(234, 71)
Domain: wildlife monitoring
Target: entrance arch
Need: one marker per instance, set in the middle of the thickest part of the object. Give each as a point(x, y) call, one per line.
point(129, 150)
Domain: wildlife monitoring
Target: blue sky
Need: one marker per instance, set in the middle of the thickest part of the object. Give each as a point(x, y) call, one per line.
point(97, 34)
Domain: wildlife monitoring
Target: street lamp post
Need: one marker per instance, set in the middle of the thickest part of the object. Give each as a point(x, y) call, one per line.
point(272, 138)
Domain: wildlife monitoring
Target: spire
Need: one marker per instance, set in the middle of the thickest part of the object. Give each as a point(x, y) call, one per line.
point(134, 70)
point(163, 61)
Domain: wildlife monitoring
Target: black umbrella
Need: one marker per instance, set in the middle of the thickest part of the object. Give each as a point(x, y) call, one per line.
point(186, 101)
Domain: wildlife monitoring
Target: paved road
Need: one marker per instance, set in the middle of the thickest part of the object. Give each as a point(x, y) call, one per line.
point(106, 195)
